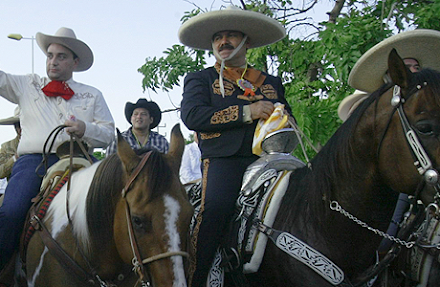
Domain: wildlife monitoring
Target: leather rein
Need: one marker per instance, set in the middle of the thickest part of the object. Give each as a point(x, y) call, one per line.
point(430, 176)
point(69, 264)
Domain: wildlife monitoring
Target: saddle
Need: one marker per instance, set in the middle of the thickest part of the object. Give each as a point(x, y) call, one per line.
point(56, 176)
point(54, 179)
point(264, 184)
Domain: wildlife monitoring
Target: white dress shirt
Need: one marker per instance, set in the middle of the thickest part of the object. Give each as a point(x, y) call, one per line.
point(41, 114)
point(190, 169)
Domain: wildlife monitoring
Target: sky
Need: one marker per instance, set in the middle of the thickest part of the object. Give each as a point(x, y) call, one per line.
point(121, 34)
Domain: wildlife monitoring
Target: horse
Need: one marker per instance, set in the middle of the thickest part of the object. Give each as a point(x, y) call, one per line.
point(125, 212)
point(340, 204)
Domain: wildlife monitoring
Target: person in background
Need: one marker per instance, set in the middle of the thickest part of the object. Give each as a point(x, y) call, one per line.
point(370, 73)
point(223, 104)
point(8, 150)
point(3, 184)
point(190, 168)
point(46, 103)
point(143, 116)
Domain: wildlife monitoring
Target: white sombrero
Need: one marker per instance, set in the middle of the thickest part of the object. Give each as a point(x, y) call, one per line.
point(67, 38)
point(350, 103)
point(421, 44)
point(12, 120)
point(262, 30)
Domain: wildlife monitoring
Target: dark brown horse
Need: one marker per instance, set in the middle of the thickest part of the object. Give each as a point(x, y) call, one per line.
point(125, 210)
point(339, 205)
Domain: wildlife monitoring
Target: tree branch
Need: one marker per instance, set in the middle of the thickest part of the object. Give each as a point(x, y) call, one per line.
point(334, 13)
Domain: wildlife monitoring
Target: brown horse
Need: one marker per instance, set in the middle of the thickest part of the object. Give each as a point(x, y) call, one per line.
point(340, 204)
point(125, 212)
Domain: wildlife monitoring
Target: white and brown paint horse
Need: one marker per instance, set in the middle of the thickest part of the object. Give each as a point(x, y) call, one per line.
point(125, 210)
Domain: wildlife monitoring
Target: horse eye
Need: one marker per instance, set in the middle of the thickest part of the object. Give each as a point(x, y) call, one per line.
point(141, 224)
point(424, 128)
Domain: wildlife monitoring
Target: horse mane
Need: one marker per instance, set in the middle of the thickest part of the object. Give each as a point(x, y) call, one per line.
point(337, 157)
point(106, 190)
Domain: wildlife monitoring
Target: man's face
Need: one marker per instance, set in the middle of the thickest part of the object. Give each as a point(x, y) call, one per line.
point(412, 64)
point(141, 119)
point(225, 42)
point(60, 62)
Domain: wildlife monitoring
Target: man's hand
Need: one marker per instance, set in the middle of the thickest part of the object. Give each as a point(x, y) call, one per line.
point(261, 110)
point(76, 128)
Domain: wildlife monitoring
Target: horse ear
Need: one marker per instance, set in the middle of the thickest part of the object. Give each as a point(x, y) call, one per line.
point(398, 71)
point(177, 145)
point(128, 157)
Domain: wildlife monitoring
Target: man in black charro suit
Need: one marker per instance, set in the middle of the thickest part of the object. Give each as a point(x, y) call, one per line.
point(223, 104)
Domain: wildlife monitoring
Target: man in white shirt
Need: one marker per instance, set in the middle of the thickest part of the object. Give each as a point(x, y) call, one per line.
point(190, 168)
point(47, 102)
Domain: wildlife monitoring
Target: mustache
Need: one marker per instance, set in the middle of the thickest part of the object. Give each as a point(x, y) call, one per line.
point(226, 46)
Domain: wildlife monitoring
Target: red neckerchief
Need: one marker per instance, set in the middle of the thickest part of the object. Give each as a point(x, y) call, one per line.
point(58, 89)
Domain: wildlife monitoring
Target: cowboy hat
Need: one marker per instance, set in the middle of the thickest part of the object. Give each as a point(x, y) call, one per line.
point(151, 106)
point(12, 120)
point(262, 30)
point(67, 38)
point(350, 103)
point(420, 44)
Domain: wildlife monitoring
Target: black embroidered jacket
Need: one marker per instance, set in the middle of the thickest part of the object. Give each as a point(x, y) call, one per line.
point(218, 120)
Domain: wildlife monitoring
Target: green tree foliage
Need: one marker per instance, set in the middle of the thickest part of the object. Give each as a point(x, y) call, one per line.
point(314, 67)
point(99, 154)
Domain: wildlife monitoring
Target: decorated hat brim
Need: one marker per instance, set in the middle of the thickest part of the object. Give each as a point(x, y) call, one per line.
point(261, 30)
point(345, 108)
point(421, 44)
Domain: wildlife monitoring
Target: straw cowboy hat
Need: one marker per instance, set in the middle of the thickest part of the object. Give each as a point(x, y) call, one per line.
point(350, 103)
point(262, 30)
point(151, 106)
point(11, 120)
point(421, 44)
point(67, 38)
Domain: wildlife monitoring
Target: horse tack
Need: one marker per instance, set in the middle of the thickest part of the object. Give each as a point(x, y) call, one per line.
point(138, 263)
point(57, 178)
point(428, 238)
point(54, 248)
point(95, 184)
point(424, 167)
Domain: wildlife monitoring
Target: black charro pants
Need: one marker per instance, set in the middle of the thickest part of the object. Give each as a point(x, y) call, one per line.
point(222, 178)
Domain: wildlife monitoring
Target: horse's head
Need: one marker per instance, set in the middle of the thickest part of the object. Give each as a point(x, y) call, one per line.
point(409, 115)
point(155, 213)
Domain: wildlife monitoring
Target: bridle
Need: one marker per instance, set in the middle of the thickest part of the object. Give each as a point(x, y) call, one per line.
point(421, 159)
point(137, 261)
point(430, 176)
point(66, 261)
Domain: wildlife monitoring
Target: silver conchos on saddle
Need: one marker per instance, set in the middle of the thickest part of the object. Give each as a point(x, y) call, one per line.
point(264, 184)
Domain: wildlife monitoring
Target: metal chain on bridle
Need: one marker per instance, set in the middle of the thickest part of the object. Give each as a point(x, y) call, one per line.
point(422, 163)
point(334, 205)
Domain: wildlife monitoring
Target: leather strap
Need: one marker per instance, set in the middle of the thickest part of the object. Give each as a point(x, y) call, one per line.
point(60, 255)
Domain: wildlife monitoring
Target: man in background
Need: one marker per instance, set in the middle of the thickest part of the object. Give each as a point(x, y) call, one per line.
point(143, 116)
point(8, 150)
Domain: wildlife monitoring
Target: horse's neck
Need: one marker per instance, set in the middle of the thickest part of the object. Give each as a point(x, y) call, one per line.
point(359, 189)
